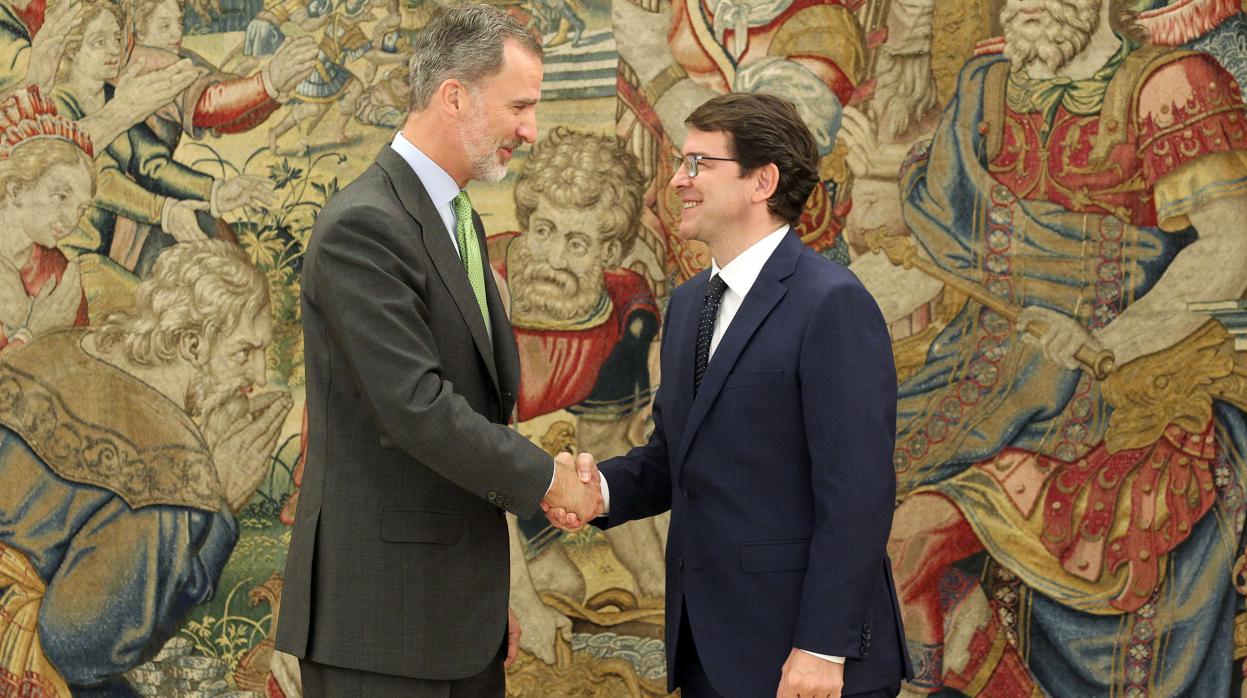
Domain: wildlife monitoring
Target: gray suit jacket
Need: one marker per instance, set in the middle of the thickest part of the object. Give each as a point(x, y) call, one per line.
point(398, 560)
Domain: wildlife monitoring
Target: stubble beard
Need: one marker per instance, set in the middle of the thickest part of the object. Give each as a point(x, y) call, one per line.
point(482, 149)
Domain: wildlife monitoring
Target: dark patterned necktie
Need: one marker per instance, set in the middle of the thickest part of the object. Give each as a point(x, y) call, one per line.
point(705, 327)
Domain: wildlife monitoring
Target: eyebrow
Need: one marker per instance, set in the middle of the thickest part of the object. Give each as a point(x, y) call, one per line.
point(523, 102)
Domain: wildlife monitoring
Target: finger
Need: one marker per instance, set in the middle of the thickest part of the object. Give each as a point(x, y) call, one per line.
point(585, 467)
point(47, 289)
point(269, 419)
point(133, 69)
point(1067, 348)
point(513, 644)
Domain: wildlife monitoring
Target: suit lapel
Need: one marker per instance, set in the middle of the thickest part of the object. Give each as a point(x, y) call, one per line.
point(765, 294)
point(678, 374)
point(415, 199)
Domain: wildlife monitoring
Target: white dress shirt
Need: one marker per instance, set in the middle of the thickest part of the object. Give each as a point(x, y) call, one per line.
point(437, 182)
point(739, 275)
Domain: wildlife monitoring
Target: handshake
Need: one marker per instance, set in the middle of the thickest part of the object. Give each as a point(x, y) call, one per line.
point(575, 497)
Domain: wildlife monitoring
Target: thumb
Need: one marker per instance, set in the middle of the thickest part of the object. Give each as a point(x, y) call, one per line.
point(48, 287)
point(585, 467)
point(133, 68)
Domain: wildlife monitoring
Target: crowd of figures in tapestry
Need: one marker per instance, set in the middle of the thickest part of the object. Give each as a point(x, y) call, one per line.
point(1045, 197)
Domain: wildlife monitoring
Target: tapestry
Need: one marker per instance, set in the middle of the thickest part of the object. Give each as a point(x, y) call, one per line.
point(1045, 197)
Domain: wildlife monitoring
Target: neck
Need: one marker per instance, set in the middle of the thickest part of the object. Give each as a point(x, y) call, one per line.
point(440, 141)
point(88, 90)
point(726, 249)
point(171, 380)
point(15, 249)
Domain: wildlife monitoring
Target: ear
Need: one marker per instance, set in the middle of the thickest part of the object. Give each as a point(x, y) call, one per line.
point(193, 348)
point(11, 190)
point(451, 96)
point(766, 181)
point(611, 254)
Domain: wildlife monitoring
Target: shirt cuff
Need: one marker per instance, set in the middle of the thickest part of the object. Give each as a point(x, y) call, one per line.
point(554, 472)
point(828, 657)
point(606, 496)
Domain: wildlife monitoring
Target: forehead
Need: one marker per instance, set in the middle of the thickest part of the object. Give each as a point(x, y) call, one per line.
point(64, 173)
point(714, 143)
point(165, 9)
point(253, 330)
point(520, 75)
point(569, 219)
point(104, 22)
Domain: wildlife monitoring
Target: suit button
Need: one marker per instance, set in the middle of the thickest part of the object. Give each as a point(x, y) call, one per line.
point(688, 494)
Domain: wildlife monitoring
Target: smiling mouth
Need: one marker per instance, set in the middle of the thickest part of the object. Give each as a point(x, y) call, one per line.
point(691, 204)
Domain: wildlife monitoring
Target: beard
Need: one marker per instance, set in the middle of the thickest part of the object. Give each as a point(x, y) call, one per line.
point(482, 149)
point(206, 394)
point(541, 292)
point(905, 93)
point(1062, 31)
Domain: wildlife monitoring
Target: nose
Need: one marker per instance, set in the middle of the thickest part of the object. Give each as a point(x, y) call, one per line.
point(527, 130)
point(556, 255)
point(257, 369)
point(680, 179)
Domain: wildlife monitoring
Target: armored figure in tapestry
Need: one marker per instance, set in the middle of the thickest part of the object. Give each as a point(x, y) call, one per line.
point(1071, 418)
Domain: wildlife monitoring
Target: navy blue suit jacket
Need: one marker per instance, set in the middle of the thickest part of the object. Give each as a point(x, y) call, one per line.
point(779, 479)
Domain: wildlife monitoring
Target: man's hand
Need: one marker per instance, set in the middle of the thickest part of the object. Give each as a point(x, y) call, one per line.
point(58, 302)
point(513, 639)
point(142, 92)
point(243, 190)
point(294, 60)
point(1061, 336)
point(179, 219)
point(576, 496)
point(807, 676)
point(61, 19)
point(243, 446)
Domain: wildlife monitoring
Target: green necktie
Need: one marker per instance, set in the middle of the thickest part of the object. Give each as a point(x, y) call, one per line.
point(470, 250)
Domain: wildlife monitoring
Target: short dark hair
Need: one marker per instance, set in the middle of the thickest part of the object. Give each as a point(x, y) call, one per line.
point(464, 42)
point(764, 129)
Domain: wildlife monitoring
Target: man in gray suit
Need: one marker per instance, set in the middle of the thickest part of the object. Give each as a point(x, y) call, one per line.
point(397, 577)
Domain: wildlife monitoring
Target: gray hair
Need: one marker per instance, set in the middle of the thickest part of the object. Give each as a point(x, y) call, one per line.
point(205, 287)
point(462, 42)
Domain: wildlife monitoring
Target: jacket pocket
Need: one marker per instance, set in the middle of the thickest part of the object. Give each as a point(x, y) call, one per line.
point(779, 556)
point(753, 379)
point(421, 527)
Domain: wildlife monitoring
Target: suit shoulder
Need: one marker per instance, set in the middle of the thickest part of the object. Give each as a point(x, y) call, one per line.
point(368, 205)
point(822, 280)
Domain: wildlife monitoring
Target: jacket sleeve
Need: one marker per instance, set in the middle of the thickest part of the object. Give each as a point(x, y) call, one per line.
point(370, 301)
point(640, 481)
point(848, 394)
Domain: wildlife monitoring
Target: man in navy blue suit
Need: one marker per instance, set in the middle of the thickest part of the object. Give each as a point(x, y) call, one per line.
point(773, 435)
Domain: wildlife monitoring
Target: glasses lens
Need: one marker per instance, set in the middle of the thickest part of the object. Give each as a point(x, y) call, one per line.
point(688, 161)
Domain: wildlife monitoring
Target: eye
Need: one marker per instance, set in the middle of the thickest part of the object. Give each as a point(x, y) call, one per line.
point(241, 357)
point(542, 231)
point(578, 246)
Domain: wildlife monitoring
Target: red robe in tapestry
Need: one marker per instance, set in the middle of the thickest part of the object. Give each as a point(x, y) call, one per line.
point(559, 368)
point(45, 264)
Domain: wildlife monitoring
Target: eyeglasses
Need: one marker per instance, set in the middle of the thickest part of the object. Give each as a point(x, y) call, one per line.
point(690, 162)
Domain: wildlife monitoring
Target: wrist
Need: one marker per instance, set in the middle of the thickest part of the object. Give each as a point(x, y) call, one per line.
point(166, 213)
point(213, 205)
point(266, 77)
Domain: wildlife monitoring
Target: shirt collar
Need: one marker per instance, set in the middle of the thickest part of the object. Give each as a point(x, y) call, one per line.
point(440, 185)
point(741, 272)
